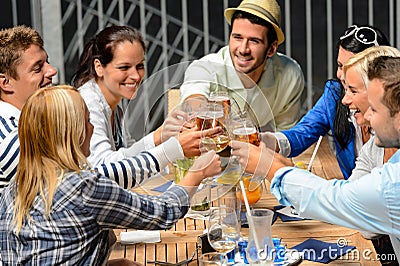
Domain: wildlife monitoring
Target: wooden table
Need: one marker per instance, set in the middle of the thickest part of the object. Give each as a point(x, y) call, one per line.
point(179, 242)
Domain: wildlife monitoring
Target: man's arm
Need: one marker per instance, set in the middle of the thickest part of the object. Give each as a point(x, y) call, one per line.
point(364, 204)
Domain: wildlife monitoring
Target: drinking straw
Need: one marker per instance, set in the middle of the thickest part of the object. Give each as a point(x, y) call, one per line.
point(249, 217)
point(314, 153)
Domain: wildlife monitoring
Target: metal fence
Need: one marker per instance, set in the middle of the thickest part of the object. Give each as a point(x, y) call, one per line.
point(182, 30)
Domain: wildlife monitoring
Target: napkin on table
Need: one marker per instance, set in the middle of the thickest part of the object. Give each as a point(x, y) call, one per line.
point(140, 236)
point(319, 251)
point(285, 214)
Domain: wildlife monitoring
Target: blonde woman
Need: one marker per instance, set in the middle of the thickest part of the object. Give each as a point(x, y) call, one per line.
point(356, 98)
point(56, 211)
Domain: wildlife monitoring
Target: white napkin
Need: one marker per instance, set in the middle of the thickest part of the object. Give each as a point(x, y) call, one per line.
point(140, 236)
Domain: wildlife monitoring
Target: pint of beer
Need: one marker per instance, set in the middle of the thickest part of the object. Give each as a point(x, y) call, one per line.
point(221, 98)
point(246, 134)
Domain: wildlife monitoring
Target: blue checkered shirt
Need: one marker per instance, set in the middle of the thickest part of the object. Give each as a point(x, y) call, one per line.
point(85, 206)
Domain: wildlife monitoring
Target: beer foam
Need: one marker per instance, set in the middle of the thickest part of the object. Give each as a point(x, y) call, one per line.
point(244, 131)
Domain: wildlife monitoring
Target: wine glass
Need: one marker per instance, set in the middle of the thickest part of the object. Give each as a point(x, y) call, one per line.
point(211, 116)
point(213, 258)
point(223, 229)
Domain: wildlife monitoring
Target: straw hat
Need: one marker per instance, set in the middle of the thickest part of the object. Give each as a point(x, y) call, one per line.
point(267, 10)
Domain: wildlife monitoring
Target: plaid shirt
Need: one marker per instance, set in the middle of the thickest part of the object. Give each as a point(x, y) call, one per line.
point(85, 205)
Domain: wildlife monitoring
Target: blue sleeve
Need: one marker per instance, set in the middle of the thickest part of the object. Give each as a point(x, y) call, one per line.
point(317, 122)
point(368, 203)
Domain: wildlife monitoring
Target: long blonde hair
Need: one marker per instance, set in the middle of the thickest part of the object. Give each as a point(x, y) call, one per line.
point(51, 131)
point(361, 60)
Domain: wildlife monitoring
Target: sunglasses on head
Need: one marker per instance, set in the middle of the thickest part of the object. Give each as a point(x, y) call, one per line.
point(365, 35)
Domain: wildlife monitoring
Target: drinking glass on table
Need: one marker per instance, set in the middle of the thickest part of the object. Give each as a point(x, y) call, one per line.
point(223, 229)
point(211, 116)
point(213, 258)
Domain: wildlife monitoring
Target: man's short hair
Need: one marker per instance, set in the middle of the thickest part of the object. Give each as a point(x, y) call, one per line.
point(387, 70)
point(271, 34)
point(13, 42)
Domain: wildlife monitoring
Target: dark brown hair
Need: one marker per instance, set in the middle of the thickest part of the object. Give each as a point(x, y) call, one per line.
point(387, 70)
point(271, 34)
point(342, 127)
point(102, 47)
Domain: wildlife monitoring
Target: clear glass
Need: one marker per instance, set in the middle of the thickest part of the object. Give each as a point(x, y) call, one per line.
point(253, 189)
point(223, 229)
point(244, 129)
point(191, 107)
point(221, 97)
point(181, 167)
point(201, 200)
point(260, 248)
point(212, 116)
point(213, 258)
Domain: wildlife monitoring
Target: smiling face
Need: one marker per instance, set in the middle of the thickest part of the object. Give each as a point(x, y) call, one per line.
point(386, 127)
point(356, 97)
point(33, 73)
point(122, 76)
point(248, 47)
point(343, 57)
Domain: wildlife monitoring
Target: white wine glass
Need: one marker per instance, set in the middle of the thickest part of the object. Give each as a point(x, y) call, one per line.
point(213, 258)
point(212, 116)
point(223, 229)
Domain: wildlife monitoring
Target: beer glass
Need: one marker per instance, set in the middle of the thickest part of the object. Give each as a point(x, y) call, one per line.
point(244, 129)
point(211, 116)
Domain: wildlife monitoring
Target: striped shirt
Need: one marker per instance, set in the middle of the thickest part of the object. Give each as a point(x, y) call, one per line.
point(9, 144)
point(84, 207)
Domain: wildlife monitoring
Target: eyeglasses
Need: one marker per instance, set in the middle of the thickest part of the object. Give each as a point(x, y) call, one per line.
point(365, 35)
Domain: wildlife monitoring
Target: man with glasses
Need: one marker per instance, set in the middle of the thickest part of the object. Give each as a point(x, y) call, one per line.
point(252, 50)
point(370, 203)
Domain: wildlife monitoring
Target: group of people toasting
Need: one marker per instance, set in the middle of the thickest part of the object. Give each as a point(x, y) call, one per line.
point(66, 167)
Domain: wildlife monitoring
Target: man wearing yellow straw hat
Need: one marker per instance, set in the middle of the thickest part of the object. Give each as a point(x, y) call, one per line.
point(252, 50)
